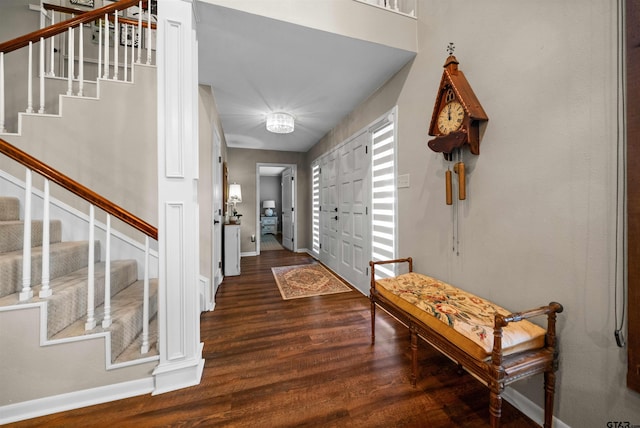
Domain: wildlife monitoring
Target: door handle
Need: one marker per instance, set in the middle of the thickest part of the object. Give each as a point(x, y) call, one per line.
point(216, 221)
point(336, 209)
point(336, 217)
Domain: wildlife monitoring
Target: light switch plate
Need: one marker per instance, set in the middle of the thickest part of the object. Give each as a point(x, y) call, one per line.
point(403, 181)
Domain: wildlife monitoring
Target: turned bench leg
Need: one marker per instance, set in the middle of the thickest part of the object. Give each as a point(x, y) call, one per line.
point(414, 357)
point(373, 323)
point(549, 391)
point(495, 404)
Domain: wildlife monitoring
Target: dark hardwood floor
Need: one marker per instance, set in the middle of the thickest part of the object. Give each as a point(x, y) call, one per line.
point(302, 362)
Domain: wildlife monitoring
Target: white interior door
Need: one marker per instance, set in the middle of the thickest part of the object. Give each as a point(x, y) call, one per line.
point(329, 246)
point(288, 186)
point(217, 212)
point(353, 218)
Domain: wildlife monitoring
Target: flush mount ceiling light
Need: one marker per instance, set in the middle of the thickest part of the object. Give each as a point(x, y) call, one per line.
point(280, 123)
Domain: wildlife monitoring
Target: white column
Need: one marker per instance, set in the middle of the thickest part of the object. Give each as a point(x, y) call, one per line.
point(181, 361)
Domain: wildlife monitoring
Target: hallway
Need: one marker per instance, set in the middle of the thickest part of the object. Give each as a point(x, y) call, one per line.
point(301, 362)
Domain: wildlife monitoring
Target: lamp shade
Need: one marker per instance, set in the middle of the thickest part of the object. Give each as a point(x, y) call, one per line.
point(269, 204)
point(235, 193)
point(280, 123)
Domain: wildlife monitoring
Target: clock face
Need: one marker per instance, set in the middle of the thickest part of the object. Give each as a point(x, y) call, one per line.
point(450, 117)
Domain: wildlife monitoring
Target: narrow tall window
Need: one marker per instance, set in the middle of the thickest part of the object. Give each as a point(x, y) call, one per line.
point(315, 207)
point(383, 203)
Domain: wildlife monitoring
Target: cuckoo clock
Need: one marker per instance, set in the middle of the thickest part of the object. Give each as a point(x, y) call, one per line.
point(457, 115)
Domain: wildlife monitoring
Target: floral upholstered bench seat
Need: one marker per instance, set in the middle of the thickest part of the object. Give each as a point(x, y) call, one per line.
point(496, 346)
point(464, 319)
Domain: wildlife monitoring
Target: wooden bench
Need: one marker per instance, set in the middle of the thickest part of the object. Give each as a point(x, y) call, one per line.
point(495, 346)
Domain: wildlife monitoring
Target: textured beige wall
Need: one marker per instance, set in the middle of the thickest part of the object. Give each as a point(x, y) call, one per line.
point(539, 220)
point(51, 371)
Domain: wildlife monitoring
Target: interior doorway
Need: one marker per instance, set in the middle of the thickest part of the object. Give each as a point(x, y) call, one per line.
point(276, 217)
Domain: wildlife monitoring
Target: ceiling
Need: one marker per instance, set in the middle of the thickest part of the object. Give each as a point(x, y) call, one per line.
point(257, 65)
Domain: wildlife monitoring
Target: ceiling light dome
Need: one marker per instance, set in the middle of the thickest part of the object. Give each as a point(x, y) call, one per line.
point(280, 123)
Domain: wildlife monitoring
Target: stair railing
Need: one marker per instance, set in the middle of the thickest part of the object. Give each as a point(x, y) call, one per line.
point(111, 209)
point(46, 40)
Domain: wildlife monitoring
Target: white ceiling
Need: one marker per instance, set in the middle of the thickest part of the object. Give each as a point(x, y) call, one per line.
point(258, 65)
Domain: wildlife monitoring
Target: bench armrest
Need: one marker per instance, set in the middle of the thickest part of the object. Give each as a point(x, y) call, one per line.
point(384, 262)
point(502, 321)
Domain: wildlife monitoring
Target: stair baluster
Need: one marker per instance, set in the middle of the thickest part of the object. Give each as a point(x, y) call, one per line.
point(91, 286)
point(99, 48)
point(106, 46)
point(145, 300)
point(148, 32)
point(70, 62)
point(29, 80)
point(52, 48)
point(41, 73)
point(116, 44)
point(45, 291)
point(2, 128)
point(126, 42)
point(106, 320)
point(140, 32)
point(27, 292)
point(81, 62)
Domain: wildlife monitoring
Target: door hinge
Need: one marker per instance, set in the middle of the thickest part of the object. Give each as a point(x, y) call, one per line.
point(366, 150)
point(321, 245)
point(219, 159)
point(219, 211)
point(219, 264)
point(366, 210)
point(367, 274)
point(292, 178)
point(291, 209)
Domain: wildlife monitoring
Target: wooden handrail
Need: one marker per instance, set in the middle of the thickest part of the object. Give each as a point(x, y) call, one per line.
point(78, 189)
point(61, 27)
point(122, 20)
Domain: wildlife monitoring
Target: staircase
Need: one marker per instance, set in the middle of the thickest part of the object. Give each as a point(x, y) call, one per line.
point(66, 308)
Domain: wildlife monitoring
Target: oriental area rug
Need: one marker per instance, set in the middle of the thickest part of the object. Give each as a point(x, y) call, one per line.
point(308, 280)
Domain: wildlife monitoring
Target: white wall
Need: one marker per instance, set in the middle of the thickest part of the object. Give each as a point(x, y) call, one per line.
point(539, 221)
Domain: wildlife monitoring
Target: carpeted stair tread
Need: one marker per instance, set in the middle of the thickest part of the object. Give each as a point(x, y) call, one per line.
point(12, 234)
point(132, 352)
point(9, 208)
point(65, 257)
point(126, 313)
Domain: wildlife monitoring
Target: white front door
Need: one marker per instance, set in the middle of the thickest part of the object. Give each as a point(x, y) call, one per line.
point(329, 245)
point(353, 218)
point(288, 206)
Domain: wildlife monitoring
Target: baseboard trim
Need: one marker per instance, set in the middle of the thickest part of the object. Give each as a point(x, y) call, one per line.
point(74, 400)
point(529, 408)
point(171, 376)
point(249, 254)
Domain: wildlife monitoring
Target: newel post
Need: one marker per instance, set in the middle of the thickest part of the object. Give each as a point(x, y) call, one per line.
point(181, 361)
